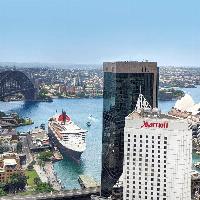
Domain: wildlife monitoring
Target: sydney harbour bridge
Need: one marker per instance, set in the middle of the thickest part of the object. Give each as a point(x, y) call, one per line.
point(13, 82)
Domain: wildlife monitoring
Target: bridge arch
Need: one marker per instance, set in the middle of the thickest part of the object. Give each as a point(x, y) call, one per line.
point(12, 82)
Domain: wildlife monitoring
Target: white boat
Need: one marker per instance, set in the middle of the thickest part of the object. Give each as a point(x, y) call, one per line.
point(88, 124)
point(67, 136)
point(197, 164)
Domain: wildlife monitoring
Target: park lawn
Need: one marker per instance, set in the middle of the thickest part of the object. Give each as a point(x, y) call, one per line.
point(31, 174)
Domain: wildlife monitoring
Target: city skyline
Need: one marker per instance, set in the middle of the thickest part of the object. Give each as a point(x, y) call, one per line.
point(23, 131)
point(93, 32)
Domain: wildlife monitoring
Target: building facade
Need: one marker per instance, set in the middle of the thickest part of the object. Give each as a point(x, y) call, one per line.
point(9, 165)
point(8, 140)
point(157, 157)
point(123, 82)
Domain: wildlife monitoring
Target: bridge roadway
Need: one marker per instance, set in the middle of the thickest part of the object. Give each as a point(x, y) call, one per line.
point(76, 194)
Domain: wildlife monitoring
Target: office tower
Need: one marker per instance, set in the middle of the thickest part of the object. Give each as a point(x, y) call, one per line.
point(123, 82)
point(157, 157)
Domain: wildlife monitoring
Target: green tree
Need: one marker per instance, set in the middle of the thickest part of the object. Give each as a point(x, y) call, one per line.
point(30, 167)
point(44, 187)
point(43, 91)
point(41, 163)
point(45, 156)
point(37, 181)
point(2, 189)
point(2, 192)
point(3, 148)
point(17, 183)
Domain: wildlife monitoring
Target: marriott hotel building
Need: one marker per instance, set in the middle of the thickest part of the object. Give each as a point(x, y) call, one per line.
point(157, 157)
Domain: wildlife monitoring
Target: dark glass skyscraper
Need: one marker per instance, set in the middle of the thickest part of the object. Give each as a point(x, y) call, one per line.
point(123, 82)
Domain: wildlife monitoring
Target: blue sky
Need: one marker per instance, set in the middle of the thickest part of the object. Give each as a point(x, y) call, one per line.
point(93, 31)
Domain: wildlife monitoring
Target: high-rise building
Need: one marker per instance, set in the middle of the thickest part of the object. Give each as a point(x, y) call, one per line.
point(157, 157)
point(123, 82)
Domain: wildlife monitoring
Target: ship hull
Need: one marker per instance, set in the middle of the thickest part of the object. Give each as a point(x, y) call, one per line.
point(74, 155)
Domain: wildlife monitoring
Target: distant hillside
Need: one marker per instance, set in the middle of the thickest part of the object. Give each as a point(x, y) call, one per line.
point(50, 65)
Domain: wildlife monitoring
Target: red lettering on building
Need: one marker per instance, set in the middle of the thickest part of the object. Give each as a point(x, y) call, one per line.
point(155, 124)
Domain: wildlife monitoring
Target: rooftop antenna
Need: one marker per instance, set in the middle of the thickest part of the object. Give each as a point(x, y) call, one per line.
point(142, 103)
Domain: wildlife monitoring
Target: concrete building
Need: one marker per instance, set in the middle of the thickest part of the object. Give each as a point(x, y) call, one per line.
point(123, 82)
point(38, 140)
point(9, 139)
point(157, 157)
point(9, 164)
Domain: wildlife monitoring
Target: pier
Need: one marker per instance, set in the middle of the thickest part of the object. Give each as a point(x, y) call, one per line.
point(87, 182)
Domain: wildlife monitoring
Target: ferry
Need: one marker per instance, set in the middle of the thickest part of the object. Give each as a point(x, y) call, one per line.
point(67, 136)
point(197, 165)
point(88, 124)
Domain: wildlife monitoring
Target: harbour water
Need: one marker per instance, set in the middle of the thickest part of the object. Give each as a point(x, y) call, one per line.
point(79, 110)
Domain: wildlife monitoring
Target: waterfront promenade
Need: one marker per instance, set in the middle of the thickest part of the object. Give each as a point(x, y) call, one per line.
point(41, 173)
point(52, 177)
point(48, 175)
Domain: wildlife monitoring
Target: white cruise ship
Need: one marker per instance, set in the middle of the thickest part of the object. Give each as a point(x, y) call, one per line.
point(67, 136)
